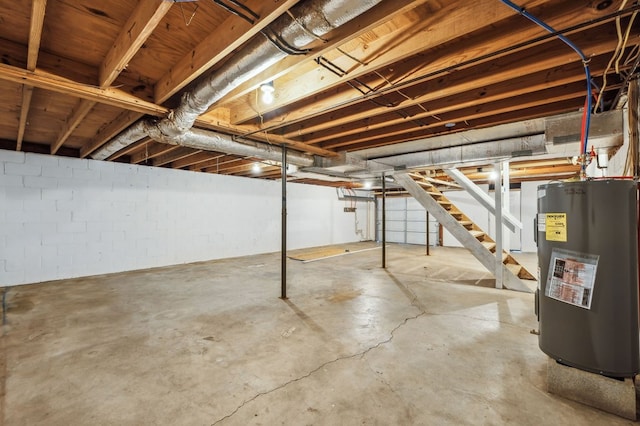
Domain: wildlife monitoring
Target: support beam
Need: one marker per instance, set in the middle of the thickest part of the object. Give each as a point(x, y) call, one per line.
point(416, 36)
point(427, 228)
point(498, 218)
point(105, 134)
point(138, 28)
point(220, 43)
point(634, 127)
point(109, 96)
point(80, 111)
point(27, 93)
point(368, 21)
point(174, 155)
point(384, 221)
point(136, 31)
point(283, 252)
point(483, 198)
point(38, 8)
point(506, 199)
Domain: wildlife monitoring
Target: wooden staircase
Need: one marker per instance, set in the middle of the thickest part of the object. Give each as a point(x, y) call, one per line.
point(468, 233)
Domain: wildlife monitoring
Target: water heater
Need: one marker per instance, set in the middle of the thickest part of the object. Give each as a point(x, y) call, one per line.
point(587, 297)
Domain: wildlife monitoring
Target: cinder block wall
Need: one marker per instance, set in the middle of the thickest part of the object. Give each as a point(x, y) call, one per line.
point(65, 217)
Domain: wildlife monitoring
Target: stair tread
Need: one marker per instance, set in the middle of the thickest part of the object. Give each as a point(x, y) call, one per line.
point(488, 244)
point(514, 268)
point(477, 233)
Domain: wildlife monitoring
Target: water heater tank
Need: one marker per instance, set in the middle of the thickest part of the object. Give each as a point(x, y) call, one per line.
point(587, 297)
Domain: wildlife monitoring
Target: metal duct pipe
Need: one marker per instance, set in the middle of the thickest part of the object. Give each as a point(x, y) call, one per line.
point(212, 141)
point(132, 134)
point(313, 19)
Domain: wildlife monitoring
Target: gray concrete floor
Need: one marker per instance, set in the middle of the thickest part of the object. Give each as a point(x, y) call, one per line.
point(422, 343)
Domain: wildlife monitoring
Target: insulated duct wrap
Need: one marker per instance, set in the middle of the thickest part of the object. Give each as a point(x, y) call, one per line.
point(212, 141)
point(313, 19)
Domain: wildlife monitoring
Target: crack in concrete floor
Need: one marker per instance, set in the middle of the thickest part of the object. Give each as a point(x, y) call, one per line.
point(360, 354)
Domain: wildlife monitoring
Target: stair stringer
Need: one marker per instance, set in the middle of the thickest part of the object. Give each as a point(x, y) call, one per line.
point(484, 255)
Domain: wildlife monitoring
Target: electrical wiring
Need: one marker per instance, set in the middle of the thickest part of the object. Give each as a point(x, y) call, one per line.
point(625, 40)
point(585, 62)
point(617, 54)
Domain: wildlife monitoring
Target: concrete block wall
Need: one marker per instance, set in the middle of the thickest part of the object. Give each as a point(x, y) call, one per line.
point(65, 217)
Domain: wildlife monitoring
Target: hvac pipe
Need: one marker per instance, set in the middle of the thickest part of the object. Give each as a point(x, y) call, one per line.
point(288, 34)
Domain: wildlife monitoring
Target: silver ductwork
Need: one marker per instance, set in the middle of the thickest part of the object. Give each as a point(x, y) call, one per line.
point(211, 141)
point(308, 21)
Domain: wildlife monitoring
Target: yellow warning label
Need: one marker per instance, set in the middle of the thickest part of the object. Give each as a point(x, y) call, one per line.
point(556, 227)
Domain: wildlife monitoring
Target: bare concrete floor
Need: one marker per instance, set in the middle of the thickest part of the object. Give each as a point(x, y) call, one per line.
point(421, 343)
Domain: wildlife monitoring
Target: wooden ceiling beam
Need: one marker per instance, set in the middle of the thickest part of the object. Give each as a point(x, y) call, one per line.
point(80, 111)
point(541, 70)
point(195, 159)
point(408, 40)
point(138, 28)
point(38, 8)
point(214, 163)
point(489, 120)
point(129, 150)
point(371, 19)
point(480, 110)
point(151, 150)
point(226, 164)
point(174, 155)
point(220, 43)
point(246, 167)
point(27, 94)
point(247, 171)
point(144, 19)
point(441, 59)
point(109, 96)
point(470, 94)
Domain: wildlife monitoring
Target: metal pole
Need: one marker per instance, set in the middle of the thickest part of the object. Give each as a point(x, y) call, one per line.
point(384, 222)
point(427, 232)
point(634, 128)
point(498, 194)
point(506, 208)
point(283, 255)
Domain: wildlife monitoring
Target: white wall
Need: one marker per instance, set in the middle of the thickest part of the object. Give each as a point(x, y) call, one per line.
point(64, 217)
point(470, 207)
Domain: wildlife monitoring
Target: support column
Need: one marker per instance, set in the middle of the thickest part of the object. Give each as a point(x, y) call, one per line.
point(506, 193)
point(498, 217)
point(384, 221)
point(634, 126)
point(427, 227)
point(283, 253)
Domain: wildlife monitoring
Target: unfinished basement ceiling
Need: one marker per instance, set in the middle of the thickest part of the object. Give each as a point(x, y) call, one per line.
point(76, 73)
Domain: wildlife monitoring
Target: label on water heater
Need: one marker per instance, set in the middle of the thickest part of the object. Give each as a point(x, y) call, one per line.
point(556, 227)
point(542, 222)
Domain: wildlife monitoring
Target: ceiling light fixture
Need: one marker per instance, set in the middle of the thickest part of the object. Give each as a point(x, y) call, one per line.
point(267, 91)
point(367, 184)
point(256, 168)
